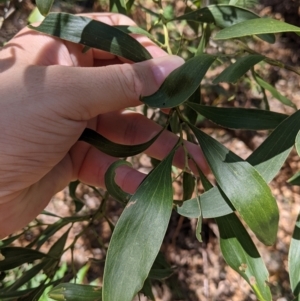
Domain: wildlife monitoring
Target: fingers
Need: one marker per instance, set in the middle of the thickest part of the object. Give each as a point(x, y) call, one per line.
point(132, 128)
point(83, 93)
point(95, 165)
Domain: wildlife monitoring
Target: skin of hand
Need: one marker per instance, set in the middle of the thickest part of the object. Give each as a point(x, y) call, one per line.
point(50, 92)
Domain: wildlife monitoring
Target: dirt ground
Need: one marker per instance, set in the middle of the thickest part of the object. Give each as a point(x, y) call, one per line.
point(200, 272)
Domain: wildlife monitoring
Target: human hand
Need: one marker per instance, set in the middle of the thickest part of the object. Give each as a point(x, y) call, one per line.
point(50, 92)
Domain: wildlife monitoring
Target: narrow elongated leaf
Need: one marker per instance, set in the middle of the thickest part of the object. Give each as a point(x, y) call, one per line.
point(241, 254)
point(75, 292)
point(194, 25)
point(190, 113)
point(297, 143)
point(161, 274)
point(147, 289)
point(44, 6)
point(135, 30)
point(92, 33)
point(295, 179)
point(35, 16)
point(26, 277)
point(45, 212)
point(35, 295)
point(134, 244)
point(274, 92)
point(129, 4)
point(244, 187)
point(118, 6)
point(255, 27)
point(213, 204)
point(188, 183)
point(5, 296)
point(294, 260)
point(267, 159)
point(240, 118)
point(111, 185)
point(244, 3)
point(12, 257)
point(224, 16)
point(8, 241)
point(58, 247)
point(181, 83)
point(235, 71)
point(55, 252)
point(113, 149)
point(48, 232)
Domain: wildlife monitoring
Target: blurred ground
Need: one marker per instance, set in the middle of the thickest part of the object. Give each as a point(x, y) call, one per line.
point(200, 271)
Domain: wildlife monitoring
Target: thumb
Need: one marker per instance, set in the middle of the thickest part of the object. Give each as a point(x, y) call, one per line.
point(81, 93)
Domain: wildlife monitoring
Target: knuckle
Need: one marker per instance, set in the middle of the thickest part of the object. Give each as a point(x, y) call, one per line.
point(130, 82)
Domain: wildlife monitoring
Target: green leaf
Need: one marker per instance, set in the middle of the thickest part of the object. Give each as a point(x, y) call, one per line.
point(45, 212)
point(118, 6)
point(147, 289)
point(241, 254)
point(135, 30)
point(75, 292)
point(55, 252)
point(26, 277)
point(180, 84)
point(160, 274)
point(8, 241)
point(134, 244)
point(274, 92)
point(224, 16)
point(255, 27)
point(295, 179)
point(188, 183)
point(36, 294)
point(58, 247)
point(129, 4)
point(204, 40)
point(213, 204)
point(114, 190)
point(235, 71)
point(5, 296)
point(40, 292)
point(72, 191)
point(48, 232)
point(240, 118)
point(12, 257)
point(269, 157)
point(189, 113)
point(297, 143)
point(243, 3)
point(44, 6)
point(244, 187)
point(113, 149)
point(92, 33)
point(294, 260)
point(194, 25)
point(35, 16)
point(81, 274)
point(160, 262)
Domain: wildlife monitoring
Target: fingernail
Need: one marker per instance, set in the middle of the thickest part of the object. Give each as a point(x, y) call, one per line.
point(163, 66)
